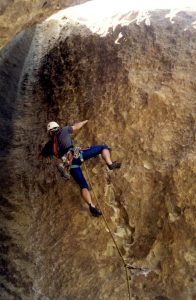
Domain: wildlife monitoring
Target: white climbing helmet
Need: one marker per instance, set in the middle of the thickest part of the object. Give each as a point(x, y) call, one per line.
point(52, 126)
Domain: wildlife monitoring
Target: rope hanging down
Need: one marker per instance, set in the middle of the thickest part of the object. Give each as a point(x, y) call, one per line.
point(111, 234)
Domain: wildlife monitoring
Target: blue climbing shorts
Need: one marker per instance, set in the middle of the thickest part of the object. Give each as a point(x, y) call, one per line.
point(85, 154)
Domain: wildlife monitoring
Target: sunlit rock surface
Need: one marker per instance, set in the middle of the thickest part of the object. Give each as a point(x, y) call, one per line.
point(15, 15)
point(137, 87)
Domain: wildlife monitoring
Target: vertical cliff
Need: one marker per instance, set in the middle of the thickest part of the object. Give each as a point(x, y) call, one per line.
point(136, 85)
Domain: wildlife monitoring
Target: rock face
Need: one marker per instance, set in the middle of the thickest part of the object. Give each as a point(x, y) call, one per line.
point(16, 15)
point(137, 87)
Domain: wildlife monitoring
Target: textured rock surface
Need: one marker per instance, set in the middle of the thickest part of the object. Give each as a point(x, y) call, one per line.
point(15, 15)
point(139, 97)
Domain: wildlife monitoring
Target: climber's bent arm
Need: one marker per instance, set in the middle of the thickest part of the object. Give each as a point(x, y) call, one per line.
point(79, 125)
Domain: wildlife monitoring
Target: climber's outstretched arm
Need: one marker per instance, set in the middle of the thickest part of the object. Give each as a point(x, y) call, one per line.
point(79, 125)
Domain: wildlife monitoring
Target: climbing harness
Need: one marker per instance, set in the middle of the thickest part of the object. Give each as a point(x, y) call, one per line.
point(74, 152)
point(126, 266)
point(66, 164)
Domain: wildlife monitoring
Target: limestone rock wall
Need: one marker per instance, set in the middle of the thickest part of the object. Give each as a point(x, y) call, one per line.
point(139, 97)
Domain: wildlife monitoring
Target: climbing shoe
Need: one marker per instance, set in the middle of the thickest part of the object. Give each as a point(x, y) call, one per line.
point(114, 165)
point(94, 211)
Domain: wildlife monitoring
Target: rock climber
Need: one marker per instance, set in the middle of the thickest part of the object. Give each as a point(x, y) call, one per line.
point(61, 146)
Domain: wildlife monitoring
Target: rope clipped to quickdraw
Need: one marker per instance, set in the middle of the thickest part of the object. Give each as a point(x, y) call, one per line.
point(112, 236)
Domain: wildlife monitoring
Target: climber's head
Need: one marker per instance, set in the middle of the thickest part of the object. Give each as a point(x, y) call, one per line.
point(52, 127)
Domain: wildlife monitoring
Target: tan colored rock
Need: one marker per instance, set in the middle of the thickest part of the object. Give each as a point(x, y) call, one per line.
point(139, 97)
point(16, 15)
